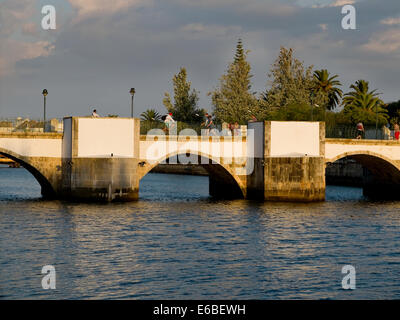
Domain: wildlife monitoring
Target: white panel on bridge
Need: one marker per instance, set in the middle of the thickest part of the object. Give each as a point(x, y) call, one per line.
point(33, 147)
point(103, 137)
point(294, 139)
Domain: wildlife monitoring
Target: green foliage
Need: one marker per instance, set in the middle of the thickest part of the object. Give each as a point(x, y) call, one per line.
point(185, 106)
point(150, 115)
point(364, 105)
point(232, 99)
point(297, 112)
point(394, 112)
point(291, 84)
point(329, 86)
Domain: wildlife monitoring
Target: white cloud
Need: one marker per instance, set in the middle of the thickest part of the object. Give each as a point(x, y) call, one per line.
point(341, 3)
point(88, 8)
point(270, 7)
point(384, 42)
point(324, 3)
point(199, 30)
point(323, 26)
point(15, 17)
point(391, 21)
point(14, 13)
point(30, 29)
point(19, 50)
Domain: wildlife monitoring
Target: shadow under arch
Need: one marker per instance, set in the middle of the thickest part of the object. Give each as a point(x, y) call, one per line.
point(381, 180)
point(47, 189)
point(223, 183)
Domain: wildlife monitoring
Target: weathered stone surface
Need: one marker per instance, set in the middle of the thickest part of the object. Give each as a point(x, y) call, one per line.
point(300, 179)
point(104, 179)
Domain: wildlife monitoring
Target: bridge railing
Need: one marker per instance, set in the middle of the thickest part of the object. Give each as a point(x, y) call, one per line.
point(19, 124)
point(146, 126)
point(350, 132)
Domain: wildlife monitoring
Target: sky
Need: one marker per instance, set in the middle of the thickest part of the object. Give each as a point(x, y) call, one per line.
point(100, 49)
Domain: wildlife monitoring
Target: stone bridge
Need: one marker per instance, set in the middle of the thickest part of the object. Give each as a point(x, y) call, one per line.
point(105, 159)
point(380, 157)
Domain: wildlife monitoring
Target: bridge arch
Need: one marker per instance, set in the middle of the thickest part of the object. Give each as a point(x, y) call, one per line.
point(47, 189)
point(224, 182)
point(383, 169)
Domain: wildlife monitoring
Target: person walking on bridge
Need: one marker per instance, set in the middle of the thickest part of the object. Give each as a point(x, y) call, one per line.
point(205, 122)
point(169, 123)
point(360, 130)
point(396, 131)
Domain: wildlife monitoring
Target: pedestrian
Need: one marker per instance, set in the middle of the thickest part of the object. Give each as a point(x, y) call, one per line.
point(360, 130)
point(169, 123)
point(386, 132)
point(231, 128)
point(396, 131)
point(236, 129)
point(210, 125)
point(226, 131)
point(95, 114)
point(205, 122)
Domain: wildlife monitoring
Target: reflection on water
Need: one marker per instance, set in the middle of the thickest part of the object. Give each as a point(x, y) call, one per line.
point(176, 242)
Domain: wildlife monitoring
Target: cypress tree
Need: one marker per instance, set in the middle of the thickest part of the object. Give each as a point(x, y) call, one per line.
point(185, 105)
point(232, 99)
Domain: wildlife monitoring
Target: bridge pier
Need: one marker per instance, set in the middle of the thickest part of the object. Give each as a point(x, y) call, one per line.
point(289, 162)
point(295, 179)
point(107, 179)
point(95, 165)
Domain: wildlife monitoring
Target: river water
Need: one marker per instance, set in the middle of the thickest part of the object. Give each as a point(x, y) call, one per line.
point(178, 243)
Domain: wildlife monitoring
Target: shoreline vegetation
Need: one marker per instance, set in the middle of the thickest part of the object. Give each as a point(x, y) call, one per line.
point(293, 92)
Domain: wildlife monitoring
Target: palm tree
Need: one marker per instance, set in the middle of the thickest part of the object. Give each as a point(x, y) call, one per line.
point(150, 115)
point(329, 85)
point(364, 105)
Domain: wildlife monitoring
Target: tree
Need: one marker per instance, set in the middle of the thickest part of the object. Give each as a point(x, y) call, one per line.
point(232, 99)
point(185, 107)
point(291, 84)
point(328, 85)
point(394, 112)
point(150, 115)
point(364, 105)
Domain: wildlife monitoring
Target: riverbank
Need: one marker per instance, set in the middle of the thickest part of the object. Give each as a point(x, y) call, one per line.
point(187, 169)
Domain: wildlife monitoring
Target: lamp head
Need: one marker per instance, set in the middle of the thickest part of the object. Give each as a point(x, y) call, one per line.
point(45, 92)
point(132, 92)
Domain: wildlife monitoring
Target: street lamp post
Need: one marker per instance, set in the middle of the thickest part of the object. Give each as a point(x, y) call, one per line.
point(44, 109)
point(132, 92)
